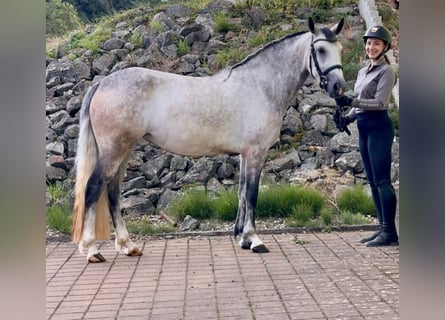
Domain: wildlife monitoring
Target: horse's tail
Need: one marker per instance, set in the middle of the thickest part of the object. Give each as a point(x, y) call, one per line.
point(86, 159)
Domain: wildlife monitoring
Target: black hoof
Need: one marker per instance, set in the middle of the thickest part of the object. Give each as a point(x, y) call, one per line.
point(260, 249)
point(246, 245)
point(97, 258)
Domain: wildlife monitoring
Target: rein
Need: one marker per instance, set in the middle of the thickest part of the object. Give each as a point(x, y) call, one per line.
point(321, 74)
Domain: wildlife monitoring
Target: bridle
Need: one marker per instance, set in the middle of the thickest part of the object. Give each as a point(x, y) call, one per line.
point(321, 74)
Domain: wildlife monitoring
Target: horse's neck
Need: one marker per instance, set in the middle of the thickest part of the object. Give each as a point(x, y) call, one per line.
point(279, 72)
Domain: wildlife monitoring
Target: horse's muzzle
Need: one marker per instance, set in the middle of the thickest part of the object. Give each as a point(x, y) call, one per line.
point(337, 88)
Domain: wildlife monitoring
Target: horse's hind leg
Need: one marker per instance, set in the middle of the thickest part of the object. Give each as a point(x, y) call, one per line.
point(94, 189)
point(122, 240)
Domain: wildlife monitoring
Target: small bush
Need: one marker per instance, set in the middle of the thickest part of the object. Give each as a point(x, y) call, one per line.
point(59, 218)
point(225, 205)
point(61, 18)
point(56, 193)
point(280, 201)
point(194, 203)
point(183, 47)
point(137, 40)
point(351, 218)
point(146, 228)
point(300, 216)
point(259, 38)
point(326, 216)
point(58, 211)
point(91, 41)
point(197, 5)
point(157, 26)
point(223, 23)
point(228, 57)
point(277, 201)
point(353, 52)
point(356, 200)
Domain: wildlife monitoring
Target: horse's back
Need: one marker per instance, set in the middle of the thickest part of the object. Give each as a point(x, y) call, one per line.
point(183, 114)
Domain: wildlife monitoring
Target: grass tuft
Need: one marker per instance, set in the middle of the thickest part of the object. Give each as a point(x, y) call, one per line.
point(355, 200)
point(58, 211)
point(146, 228)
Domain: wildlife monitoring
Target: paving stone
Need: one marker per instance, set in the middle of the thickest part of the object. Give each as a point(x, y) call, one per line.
point(322, 276)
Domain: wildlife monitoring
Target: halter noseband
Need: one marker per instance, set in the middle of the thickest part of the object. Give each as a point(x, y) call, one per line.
point(321, 74)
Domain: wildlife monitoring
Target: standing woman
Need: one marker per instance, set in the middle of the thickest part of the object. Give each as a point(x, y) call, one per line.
point(372, 92)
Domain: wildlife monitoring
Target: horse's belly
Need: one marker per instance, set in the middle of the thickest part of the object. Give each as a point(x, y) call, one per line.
point(196, 143)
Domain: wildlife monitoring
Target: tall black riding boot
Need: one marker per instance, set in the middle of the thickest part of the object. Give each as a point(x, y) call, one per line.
point(388, 235)
point(378, 208)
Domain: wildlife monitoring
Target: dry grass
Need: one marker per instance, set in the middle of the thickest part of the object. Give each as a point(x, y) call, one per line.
point(53, 43)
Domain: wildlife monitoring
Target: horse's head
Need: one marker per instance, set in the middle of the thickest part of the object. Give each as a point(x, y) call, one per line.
point(325, 60)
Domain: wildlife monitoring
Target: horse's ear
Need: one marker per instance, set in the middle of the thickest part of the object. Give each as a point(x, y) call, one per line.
point(312, 25)
point(337, 28)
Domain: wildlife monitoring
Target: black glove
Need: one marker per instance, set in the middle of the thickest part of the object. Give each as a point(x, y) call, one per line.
point(343, 101)
point(341, 121)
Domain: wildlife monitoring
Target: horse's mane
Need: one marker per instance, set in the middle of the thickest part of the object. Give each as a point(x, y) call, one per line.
point(330, 36)
point(264, 48)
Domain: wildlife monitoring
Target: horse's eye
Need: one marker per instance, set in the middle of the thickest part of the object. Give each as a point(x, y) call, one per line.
point(321, 50)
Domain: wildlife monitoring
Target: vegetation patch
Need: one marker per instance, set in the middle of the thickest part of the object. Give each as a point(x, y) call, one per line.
point(299, 206)
point(58, 211)
point(355, 200)
point(145, 227)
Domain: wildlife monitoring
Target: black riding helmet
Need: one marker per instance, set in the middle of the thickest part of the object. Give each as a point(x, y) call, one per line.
point(381, 33)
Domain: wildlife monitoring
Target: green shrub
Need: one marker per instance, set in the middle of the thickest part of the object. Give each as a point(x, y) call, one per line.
point(300, 215)
point(326, 216)
point(59, 217)
point(61, 18)
point(353, 52)
point(225, 205)
point(223, 23)
point(183, 47)
point(145, 227)
point(194, 203)
point(137, 40)
point(356, 200)
point(229, 56)
point(157, 26)
point(259, 38)
point(57, 193)
point(351, 218)
point(58, 211)
point(91, 41)
point(280, 201)
point(276, 201)
point(197, 5)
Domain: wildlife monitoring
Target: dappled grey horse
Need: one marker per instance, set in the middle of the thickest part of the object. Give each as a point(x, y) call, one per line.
point(239, 110)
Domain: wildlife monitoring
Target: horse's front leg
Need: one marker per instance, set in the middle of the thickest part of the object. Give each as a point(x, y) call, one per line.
point(240, 215)
point(248, 199)
point(122, 241)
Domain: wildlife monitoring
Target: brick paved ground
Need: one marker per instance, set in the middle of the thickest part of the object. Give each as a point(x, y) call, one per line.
point(304, 276)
